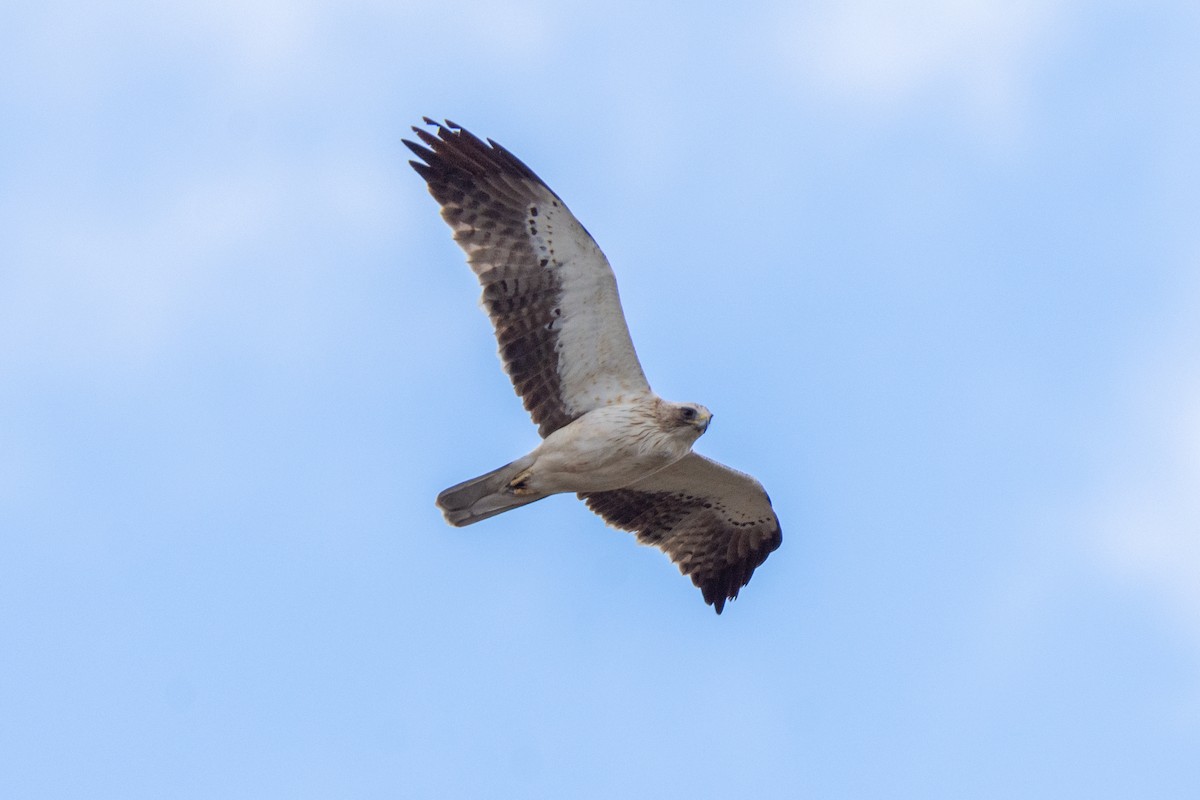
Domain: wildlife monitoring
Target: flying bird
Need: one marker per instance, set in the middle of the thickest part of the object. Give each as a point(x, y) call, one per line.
point(606, 436)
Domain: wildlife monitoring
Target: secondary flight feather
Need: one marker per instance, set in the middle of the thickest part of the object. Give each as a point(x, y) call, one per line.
point(606, 435)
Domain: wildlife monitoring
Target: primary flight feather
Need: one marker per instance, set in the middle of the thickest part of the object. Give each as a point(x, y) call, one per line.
point(606, 435)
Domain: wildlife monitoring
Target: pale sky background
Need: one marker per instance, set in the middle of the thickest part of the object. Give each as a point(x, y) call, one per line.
point(934, 265)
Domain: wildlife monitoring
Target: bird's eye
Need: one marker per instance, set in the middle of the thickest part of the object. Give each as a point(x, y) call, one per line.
point(689, 414)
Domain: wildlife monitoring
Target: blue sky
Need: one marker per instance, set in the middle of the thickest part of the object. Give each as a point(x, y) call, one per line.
point(934, 266)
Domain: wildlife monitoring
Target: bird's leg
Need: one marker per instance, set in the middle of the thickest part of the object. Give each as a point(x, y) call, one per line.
point(519, 485)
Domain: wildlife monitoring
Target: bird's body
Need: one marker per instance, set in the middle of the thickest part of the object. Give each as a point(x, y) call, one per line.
point(610, 447)
point(584, 456)
point(606, 435)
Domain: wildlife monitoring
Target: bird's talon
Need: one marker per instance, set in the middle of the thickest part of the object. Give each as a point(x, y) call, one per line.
point(519, 485)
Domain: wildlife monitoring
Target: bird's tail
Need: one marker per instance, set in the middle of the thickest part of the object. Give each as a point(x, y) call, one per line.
point(485, 496)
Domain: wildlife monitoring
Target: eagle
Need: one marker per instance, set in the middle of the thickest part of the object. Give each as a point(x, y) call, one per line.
point(606, 436)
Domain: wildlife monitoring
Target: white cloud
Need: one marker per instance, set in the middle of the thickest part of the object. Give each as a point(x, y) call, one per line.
point(77, 52)
point(96, 287)
point(112, 288)
point(1147, 519)
point(272, 38)
point(121, 223)
point(884, 53)
point(74, 51)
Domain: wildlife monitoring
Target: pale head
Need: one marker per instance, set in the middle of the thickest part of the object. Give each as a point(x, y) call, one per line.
point(689, 419)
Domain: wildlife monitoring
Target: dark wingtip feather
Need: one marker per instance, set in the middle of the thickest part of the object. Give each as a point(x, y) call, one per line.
point(424, 170)
point(427, 137)
point(423, 153)
point(452, 148)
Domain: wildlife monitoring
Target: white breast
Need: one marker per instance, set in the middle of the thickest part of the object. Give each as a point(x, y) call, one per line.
point(608, 448)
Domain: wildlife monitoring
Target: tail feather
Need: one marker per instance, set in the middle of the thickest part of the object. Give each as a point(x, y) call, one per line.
point(486, 496)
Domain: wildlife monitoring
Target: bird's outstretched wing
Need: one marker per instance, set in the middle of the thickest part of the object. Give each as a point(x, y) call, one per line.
point(548, 289)
point(714, 522)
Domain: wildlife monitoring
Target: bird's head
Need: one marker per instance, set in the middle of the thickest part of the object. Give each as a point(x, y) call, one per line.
point(691, 417)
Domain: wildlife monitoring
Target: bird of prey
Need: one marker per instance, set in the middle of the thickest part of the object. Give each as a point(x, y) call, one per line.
point(606, 436)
